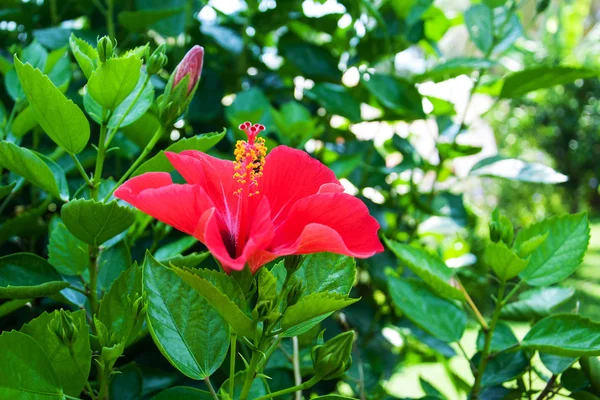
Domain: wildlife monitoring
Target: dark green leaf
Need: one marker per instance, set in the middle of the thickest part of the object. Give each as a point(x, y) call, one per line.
point(258, 388)
point(69, 255)
point(94, 222)
point(416, 301)
point(5, 190)
point(71, 366)
point(398, 95)
point(574, 380)
point(336, 99)
point(127, 384)
point(188, 331)
point(565, 335)
point(112, 261)
point(519, 83)
point(504, 367)
point(183, 393)
point(556, 364)
point(502, 339)
point(25, 275)
point(139, 21)
point(536, 303)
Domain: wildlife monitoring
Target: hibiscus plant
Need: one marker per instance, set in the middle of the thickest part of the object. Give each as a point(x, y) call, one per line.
point(240, 263)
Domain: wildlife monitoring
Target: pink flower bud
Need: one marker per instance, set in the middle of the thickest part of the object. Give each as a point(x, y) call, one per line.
point(192, 65)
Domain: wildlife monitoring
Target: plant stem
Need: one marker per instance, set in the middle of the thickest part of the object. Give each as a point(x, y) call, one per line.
point(114, 131)
point(232, 355)
point(100, 159)
point(297, 375)
point(489, 333)
point(211, 389)
point(306, 385)
point(471, 304)
point(84, 175)
point(139, 160)
point(93, 270)
point(548, 389)
point(250, 374)
point(110, 25)
point(269, 352)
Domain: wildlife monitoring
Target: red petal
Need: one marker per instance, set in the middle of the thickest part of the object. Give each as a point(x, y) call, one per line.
point(334, 222)
point(155, 194)
point(212, 234)
point(291, 175)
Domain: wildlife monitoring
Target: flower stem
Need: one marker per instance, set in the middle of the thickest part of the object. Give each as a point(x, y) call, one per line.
point(296, 363)
point(211, 389)
point(250, 374)
point(84, 175)
point(304, 386)
point(139, 160)
point(100, 159)
point(269, 352)
point(232, 354)
point(114, 131)
point(93, 270)
point(110, 25)
point(489, 333)
point(471, 304)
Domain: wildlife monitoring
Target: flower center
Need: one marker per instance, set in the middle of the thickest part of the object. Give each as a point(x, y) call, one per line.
point(249, 159)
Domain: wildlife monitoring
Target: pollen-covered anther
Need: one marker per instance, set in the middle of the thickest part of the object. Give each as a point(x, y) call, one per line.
point(249, 159)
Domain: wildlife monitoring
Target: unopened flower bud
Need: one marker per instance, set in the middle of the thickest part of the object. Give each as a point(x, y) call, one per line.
point(294, 294)
point(262, 310)
point(190, 65)
point(64, 327)
point(105, 48)
point(501, 229)
point(157, 60)
point(333, 358)
point(292, 263)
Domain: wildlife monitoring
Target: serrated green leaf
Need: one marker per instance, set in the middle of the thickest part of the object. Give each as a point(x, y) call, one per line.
point(429, 268)
point(66, 253)
point(58, 116)
point(30, 376)
point(562, 251)
point(417, 301)
point(503, 261)
point(72, 366)
point(564, 335)
point(94, 222)
point(536, 303)
point(85, 54)
point(25, 275)
point(116, 311)
point(33, 168)
point(211, 285)
point(112, 81)
point(519, 83)
point(189, 332)
point(191, 260)
point(310, 310)
point(267, 285)
point(160, 163)
point(327, 272)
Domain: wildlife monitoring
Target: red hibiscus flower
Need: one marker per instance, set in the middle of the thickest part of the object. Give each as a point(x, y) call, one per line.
point(258, 207)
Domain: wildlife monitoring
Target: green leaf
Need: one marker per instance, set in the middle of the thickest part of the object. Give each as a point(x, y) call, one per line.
point(556, 364)
point(536, 303)
point(66, 253)
point(191, 260)
point(58, 116)
point(127, 384)
point(336, 99)
point(85, 54)
point(33, 168)
point(503, 261)
point(5, 190)
point(140, 107)
point(516, 170)
point(398, 95)
point(564, 335)
point(24, 122)
point(448, 151)
point(183, 393)
point(216, 288)
point(25, 275)
point(429, 268)
point(116, 310)
point(12, 305)
point(455, 67)
point(574, 380)
point(112, 261)
point(188, 331)
point(479, 20)
point(160, 163)
point(94, 222)
point(310, 310)
point(257, 389)
point(327, 272)
point(502, 339)
point(416, 301)
point(519, 83)
point(562, 251)
point(174, 248)
point(504, 367)
point(71, 366)
point(314, 62)
point(31, 375)
point(139, 21)
point(114, 80)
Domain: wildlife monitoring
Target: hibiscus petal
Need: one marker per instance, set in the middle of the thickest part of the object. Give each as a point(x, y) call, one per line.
point(291, 175)
point(221, 243)
point(155, 194)
point(333, 222)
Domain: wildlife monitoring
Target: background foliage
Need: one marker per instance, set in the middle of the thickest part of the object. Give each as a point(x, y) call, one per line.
point(433, 113)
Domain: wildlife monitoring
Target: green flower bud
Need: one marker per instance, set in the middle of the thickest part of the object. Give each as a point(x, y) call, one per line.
point(262, 310)
point(294, 294)
point(157, 60)
point(292, 263)
point(64, 327)
point(105, 48)
point(333, 358)
point(501, 229)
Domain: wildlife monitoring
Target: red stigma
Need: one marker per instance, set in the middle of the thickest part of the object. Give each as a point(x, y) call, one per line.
point(251, 131)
